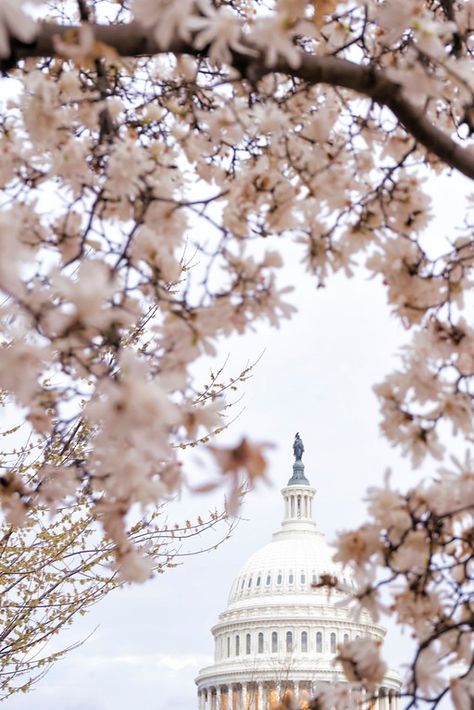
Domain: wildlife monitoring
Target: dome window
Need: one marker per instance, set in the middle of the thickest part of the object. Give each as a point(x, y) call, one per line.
point(314, 579)
point(289, 641)
point(260, 642)
point(279, 578)
point(304, 642)
point(248, 644)
point(346, 638)
point(259, 579)
point(333, 643)
point(291, 578)
point(242, 584)
point(228, 646)
point(274, 642)
point(269, 580)
point(237, 645)
point(319, 642)
point(249, 582)
point(303, 578)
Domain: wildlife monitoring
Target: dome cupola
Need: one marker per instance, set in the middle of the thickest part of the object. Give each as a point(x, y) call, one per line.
point(298, 496)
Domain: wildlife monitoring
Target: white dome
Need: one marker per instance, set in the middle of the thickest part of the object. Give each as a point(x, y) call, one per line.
point(279, 627)
point(287, 566)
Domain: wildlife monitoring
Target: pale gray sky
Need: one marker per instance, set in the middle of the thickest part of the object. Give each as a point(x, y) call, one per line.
point(315, 376)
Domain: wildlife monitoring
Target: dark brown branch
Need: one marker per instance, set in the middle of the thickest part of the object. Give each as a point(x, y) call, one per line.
point(131, 40)
point(386, 92)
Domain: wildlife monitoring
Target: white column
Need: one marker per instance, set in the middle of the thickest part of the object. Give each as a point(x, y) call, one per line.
point(201, 700)
point(244, 696)
point(260, 696)
point(218, 698)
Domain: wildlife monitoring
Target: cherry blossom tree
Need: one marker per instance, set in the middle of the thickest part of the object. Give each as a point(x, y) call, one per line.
point(156, 154)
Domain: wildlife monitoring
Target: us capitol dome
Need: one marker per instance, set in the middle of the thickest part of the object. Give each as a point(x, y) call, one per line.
point(280, 632)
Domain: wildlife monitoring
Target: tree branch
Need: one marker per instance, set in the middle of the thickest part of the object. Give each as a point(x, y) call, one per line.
point(132, 40)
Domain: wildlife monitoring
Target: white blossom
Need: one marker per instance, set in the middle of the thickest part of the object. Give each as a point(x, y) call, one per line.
point(361, 662)
point(14, 22)
point(167, 17)
point(221, 29)
point(462, 692)
point(275, 40)
point(428, 672)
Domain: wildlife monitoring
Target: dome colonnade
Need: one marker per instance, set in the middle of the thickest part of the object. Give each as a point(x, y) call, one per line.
point(280, 631)
point(263, 695)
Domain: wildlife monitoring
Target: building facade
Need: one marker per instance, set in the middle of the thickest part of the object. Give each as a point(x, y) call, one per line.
point(280, 632)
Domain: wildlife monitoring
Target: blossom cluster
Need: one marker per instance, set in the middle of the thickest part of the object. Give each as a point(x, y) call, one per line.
point(413, 559)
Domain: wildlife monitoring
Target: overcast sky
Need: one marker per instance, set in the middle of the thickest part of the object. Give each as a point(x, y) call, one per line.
point(315, 377)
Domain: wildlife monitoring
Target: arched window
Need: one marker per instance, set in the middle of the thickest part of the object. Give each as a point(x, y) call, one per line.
point(346, 638)
point(249, 582)
point(274, 642)
point(268, 580)
point(237, 645)
point(291, 578)
point(299, 506)
point(248, 642)
point(243, 583)
point(289, 641)
point(304, 642)
point(303, 578)
point(259, 579)
point(314, 579)
point(279, 578)
point(260, 642)
point(333, 643)
point(319, 642)
point(228, 646)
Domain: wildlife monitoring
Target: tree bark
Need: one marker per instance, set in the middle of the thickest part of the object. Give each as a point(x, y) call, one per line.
point(132, 40)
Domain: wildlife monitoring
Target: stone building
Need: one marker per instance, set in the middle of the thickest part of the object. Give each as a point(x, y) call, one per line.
point(279, 633)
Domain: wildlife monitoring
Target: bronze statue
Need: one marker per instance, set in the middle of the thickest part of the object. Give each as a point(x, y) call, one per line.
point(298, 447)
